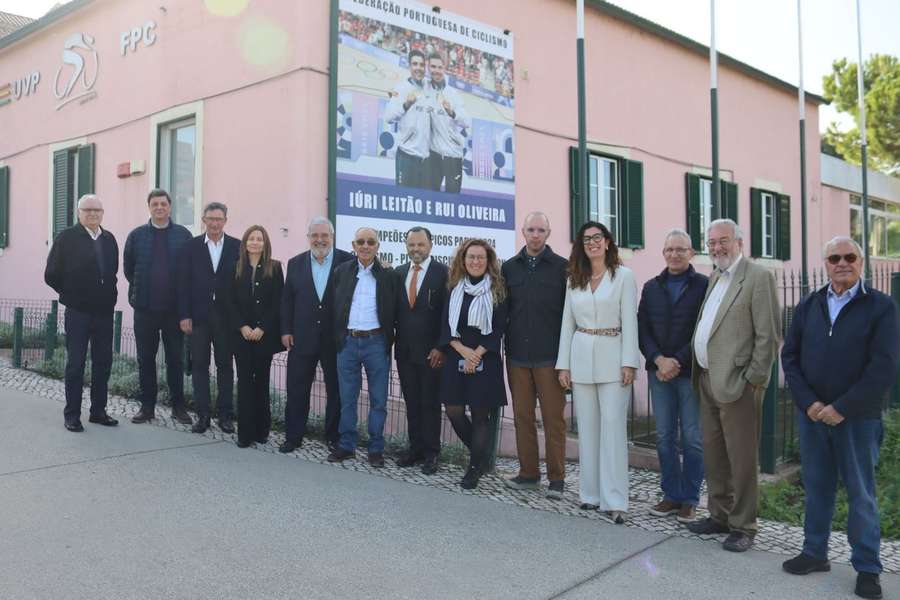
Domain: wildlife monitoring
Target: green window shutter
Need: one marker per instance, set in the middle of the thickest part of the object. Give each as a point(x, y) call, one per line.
point(633, 205)
point(577, 205)
point(4, 207)
point(729, 196)
point(62, 184)
point(755, 223)
point(692, 196)
point(783, 225)
point(85, 170)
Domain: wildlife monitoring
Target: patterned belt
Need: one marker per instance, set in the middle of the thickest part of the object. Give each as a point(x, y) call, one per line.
point(363, 333)
point(611, 332)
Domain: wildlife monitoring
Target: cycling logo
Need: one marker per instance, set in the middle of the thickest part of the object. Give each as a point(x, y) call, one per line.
point(77, 48)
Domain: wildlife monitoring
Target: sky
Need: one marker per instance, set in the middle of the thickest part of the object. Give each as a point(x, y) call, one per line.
point(762, 33)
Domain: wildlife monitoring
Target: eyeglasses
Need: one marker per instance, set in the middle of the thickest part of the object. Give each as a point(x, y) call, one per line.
point(367, 242)
point(597, 238)
point(719, 242)
point(836, 258)
point(678, 251)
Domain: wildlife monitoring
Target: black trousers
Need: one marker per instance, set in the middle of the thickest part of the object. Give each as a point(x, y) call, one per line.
point(410, 170)
point(215, 331)
point(148, 326)
point(446, 170)
point(300, 377)
point(420, 385)
point(254, 413)
point(83, 328)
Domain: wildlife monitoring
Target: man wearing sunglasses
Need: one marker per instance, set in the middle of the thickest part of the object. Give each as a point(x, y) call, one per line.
point(840, 358)
point(364, 302)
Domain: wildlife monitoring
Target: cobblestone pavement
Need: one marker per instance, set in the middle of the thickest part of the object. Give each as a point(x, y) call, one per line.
point(643, 493)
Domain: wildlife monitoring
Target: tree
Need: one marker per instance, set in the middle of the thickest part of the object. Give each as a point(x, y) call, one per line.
point(881, 82)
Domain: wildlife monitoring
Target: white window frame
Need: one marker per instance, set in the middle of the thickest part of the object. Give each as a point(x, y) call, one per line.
point(768, 229)
point(173, 116)
point(55, 147)
point(598, 191)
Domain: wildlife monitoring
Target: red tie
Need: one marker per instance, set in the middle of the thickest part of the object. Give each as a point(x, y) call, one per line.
point(412, 285)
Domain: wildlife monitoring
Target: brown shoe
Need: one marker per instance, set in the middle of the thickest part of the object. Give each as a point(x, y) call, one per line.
point(665, 508)
point(687, 514)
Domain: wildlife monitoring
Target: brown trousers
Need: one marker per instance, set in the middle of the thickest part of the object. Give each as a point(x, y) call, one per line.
point(527, 386)
point(731, 456)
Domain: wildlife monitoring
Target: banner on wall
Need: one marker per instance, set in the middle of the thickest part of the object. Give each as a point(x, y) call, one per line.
point(425, 122)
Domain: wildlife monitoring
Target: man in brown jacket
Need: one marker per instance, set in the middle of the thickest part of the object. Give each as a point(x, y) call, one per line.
point(734, 347)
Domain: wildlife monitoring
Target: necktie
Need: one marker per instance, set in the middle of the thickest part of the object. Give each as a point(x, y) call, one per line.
point(412, 285)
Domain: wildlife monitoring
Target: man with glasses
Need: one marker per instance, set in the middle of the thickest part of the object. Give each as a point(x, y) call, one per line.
point(364, 333)
point(734, 347)
point(840, 359)
point(667, 315)
point(82, 268)
point(307, 314)
point(206, 274)
point(536, 289)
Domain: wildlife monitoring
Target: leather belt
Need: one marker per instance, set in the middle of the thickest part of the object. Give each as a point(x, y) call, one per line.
point(611, 332)
point(363, 333)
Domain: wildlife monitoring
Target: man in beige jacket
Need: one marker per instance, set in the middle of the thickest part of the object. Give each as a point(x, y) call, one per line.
point(734, 347)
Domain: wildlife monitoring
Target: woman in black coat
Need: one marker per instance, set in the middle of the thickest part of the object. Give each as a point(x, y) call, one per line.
point(473, 325)
point(255, 308)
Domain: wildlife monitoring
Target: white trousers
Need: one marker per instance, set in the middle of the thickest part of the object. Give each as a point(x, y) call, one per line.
point(602, 410)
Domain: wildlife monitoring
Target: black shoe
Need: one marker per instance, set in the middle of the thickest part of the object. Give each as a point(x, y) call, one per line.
point(376, 459)
point(104, 419)
point(737, 541)
point(430, 466)
point(340, 455)
point(74, 426)
point(409, 459)
point(707, 526)
point(201, 425)
point(243, 444)
point(470, 479)
point(180, 414)
point(145, 415)
point(226, 425)
point(868, 586)
point(804, 564)
point(289, 446)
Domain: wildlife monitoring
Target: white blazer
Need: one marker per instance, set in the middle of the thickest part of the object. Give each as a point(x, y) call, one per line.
point(600, 358)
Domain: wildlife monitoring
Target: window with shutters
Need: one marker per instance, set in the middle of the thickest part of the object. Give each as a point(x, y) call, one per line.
point(770, 224)
point(177, 166)
point(73, 177)
point(615, 197)
point(703, 208)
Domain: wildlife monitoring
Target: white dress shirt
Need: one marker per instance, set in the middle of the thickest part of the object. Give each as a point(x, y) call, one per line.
point(364, 308)
point(710, 309)
point(409, 275)
point(215, 250)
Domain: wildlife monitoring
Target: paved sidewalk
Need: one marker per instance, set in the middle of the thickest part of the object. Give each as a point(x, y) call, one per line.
point(156, 512)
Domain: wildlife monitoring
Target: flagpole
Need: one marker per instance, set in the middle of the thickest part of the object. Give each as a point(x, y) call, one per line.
point(801, 99)
point(714, 102)
point(860, 88)
point(583, 175)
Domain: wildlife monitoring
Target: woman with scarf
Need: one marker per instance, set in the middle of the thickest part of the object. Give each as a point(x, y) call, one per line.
point(473, 325)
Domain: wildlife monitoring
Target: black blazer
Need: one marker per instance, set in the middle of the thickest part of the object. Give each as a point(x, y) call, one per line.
point(385, 300)
point(257, 303)
point(197, 282)
point(418, 329)
point(74, 271)
point(303, 315)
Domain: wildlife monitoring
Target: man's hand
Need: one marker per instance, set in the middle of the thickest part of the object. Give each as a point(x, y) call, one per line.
point(830, 416)
point(287, 341)
point(187, 326)
point(814, 409)
point(435, 359)
point(565, 379)
point(668, 368)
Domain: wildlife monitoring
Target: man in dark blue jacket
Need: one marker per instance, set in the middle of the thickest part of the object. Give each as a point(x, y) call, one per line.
point(148, 262)
point(667, 315)
point(205, 276)
point(840, 359)
point(82, 268)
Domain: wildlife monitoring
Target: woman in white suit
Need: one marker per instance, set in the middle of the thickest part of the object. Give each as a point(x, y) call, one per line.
point(598, 357)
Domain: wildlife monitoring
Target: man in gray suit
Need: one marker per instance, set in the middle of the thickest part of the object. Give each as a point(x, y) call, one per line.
point(734, 347)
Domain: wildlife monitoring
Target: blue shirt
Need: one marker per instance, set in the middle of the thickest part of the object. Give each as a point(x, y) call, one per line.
point(320, 272)
point(836, 303)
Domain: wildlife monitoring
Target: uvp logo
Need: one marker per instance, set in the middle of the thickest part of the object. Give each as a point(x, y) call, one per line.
point(76, 49)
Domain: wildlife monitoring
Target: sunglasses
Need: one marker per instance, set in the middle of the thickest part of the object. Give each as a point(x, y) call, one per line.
point(836, 258)
point(368, 242)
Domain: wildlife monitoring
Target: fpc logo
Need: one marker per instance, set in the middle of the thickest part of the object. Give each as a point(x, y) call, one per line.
point(81, 65)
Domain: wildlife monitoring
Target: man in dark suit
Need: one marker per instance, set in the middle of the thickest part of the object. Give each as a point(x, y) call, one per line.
point(307, 317)
point(206, 272)
point(364, 300)
point(82, 268)
point(421, 292)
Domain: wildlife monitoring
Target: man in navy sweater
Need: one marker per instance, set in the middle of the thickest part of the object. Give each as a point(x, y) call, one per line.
point(840, 359)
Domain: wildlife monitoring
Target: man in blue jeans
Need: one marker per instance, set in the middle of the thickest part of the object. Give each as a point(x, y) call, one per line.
point(840, 359)
point(364, 333)
point(668, 312)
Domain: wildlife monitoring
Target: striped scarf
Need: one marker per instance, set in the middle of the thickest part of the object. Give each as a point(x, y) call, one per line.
point(481, 310)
